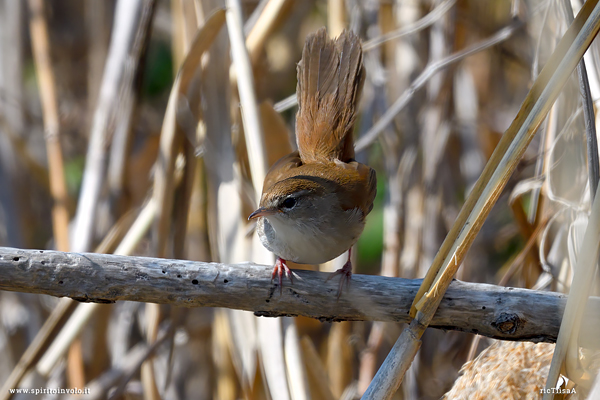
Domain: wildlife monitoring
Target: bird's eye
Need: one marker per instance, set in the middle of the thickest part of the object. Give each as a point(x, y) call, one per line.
point(288, 203)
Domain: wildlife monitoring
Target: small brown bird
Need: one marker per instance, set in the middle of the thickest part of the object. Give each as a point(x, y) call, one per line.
point(315, 200)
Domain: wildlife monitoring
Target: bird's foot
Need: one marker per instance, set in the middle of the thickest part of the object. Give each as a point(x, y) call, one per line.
point(279, 270)
point(346, 276)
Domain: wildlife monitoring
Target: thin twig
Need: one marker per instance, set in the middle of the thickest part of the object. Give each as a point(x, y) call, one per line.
point(415, 27)
point(289, 102)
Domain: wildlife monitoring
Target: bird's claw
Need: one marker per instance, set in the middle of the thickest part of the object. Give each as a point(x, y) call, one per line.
point(279, 270)
point(346, 272)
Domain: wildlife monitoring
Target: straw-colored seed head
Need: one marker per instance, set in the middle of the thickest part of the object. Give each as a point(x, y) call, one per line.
point(505, 370)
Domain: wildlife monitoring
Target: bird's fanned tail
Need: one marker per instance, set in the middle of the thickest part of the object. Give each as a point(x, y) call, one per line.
point(330, 80)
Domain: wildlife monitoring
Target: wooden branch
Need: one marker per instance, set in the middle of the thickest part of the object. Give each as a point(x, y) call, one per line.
point(493, 311)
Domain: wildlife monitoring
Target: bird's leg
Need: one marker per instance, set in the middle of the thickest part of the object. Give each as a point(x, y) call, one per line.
point(346, 272)
point(280, 269)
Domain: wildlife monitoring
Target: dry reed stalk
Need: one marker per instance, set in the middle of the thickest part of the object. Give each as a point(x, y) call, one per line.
point(270, 341)
point(183, 198)
point(368, 357)
point(93, 177)
point(190, 198)
point(395, 167)
point(538, 206)
point(451, 107)
point(11, 71)
point(171, 139)
point(266, 16)
point(39, 345)
point(171, 135)
point(316, 373)
point(567, 344)
point(183, 195)
point(197, 241)
point(47, 87)
point(245, 80)
point(180, 40)
point(187, 17)
point(336, 17)
point(225, 385)
point(435, 131)
point(224, 184)
point(97, 24)
point(340, 357)
point(58, 187)
point(588, 114)
point(150, 387)
point(532, 264)
point(296, 372)
point(130, 87)
point(13, 167)
point(267, 20)
point(38, 172)
point(75, 366)
point(185, 22)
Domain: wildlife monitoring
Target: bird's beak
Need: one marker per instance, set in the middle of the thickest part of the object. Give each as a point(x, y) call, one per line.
point(262, 212)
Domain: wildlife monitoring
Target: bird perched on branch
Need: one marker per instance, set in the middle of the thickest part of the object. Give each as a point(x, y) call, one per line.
point(315, 200)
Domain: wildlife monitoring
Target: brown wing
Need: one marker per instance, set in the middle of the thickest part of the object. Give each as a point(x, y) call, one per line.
point(330, 80)
point(366, 183)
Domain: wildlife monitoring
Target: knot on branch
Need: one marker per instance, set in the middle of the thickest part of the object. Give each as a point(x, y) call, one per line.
point(507, 323)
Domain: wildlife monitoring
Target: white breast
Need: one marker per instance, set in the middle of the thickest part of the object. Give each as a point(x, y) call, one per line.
point(314, 242)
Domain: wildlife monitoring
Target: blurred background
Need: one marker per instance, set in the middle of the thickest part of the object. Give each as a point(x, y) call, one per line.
point(84, 89)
